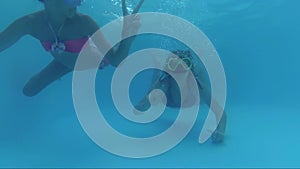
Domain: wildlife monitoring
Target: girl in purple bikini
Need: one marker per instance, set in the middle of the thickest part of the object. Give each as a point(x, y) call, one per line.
point(63, 32)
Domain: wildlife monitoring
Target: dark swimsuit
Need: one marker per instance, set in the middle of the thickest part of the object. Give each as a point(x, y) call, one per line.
point(170, 99)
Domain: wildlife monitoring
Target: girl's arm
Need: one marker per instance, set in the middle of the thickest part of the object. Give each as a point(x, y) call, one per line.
point(114, 55)
point(14, 32)
point(131, 25)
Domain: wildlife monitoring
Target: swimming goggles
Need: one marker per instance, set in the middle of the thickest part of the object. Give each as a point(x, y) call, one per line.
point(174, 62)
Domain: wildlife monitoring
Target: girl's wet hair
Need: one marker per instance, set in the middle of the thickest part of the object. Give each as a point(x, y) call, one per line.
point(183, 54)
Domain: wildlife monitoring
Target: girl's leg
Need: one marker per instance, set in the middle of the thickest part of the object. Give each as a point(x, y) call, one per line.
point(220, 114)
point(158, 82)
point(49, 74)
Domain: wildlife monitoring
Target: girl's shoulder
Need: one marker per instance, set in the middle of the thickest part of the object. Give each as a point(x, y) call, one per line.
point(85, 19)
point(89, 25)
point(36, 16)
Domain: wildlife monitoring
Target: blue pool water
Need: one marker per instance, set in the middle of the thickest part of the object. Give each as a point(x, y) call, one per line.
point(258, 42)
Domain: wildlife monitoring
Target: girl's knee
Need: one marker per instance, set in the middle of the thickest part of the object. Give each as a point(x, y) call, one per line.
point(29, 91)
point(31, 88)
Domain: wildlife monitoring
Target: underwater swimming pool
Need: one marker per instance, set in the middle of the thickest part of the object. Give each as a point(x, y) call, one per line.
point(257, 41)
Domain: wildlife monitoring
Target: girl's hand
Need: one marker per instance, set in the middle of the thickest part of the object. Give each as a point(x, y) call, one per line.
point(131, 23)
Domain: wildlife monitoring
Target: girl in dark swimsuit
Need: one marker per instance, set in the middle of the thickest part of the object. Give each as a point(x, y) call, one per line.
point(64, 32)
point(168, 85)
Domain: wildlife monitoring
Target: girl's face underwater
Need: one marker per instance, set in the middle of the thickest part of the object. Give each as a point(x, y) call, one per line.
point(62, 3)
point(61, 7)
